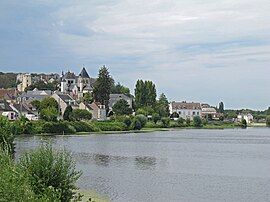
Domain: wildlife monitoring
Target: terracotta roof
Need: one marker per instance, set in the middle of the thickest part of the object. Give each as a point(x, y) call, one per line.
point(7, 93)
point(186, 105)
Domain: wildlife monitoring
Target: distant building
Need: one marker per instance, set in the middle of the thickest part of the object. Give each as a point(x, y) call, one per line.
point(98, 110)
point(29, 96)
point(210, 112)
point(77, 86)
point(185, 109)
point(116, 97)
point(7, 111)
point(248, 117)
point(24, 110)
point(63, 101)
point(25, 81)
point(8, 94)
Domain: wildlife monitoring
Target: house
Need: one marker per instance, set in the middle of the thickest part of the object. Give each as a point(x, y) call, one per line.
point(24, 81)
point(8, 94)
point(248, 117)
point(77, 86)
point(23, 110)
point(116, 97)
point(185, 109)
point(30, 95)
point(97, 109)
point(63, 101)
point(209, 112)
point(7, 111)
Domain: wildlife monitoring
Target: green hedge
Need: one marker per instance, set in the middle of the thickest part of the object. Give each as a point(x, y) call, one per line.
point(58, 127)
point(81, 126)
point(110, 125)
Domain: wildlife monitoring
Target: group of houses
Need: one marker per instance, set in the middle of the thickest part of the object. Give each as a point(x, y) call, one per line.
point(17, 102)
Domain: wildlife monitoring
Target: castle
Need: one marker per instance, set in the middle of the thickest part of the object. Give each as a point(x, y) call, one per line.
point(77, 86)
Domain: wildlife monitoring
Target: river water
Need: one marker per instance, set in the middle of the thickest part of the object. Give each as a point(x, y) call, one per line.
point(182, 165)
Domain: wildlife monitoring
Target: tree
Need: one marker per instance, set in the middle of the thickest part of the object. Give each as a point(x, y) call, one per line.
point(121, 107)
point(243, 123)
point(41, 85)
point(81, 114)
point(36, 104)
point(48, 102)
point(145, 111)
point(163, 106)
point(6, 136)
point(67, 113)
point(156, 117)
point(268, 111)
point(221, 108)
point(165, 122)
point(145, 94)
point(142, 119)
point(268, 121)
point(120, 89)
point(197, 121)
point(87, 98)
point(103, 86)
point(49, 114)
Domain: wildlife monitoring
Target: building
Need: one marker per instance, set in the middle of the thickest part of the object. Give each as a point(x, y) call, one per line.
point(248, 117)
point(63, 101)
point(97, 109)
point(209, 112)
point(24, 81)
point(7, 111)
point(24, 110)
point(30, 95)
point(116, 97)
point(185, 109)
point(8, 94)
point(77, 86)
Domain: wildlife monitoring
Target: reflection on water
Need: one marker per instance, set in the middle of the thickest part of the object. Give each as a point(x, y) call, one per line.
point(186, 165)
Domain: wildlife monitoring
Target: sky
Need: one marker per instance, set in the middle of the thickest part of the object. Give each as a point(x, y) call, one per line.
point(194, 50)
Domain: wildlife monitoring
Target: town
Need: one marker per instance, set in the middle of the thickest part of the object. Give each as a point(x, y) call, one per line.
point(82, 97)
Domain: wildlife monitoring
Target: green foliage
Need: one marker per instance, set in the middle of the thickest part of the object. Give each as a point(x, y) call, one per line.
point(87, 98)
point(103, 86)
point(7, 80)
point(145, 111)
point(6, 136)
point(165, 122)
point(47, 168)
point(81, 126)
point(268, 121)
point(41, 85)
point(221, 107)
point(268, 111)
point(197, 121)
point(188, 121)
point(36, 104)
point(121, 107)
point(58, 127)
point(142, 119)
point(127, 121)
point(67, 113)
point(48, 102)
point(162, 106)
point(120, 89)
point(145, 94)
point(156, 117)
point(181, 122)
point(80, 114)
point(136, 124)
point(111, 125)
point(243, 123)
point(48, 114)
point(22, 126)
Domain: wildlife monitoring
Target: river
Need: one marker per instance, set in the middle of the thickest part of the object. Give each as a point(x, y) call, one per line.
point(181, 165)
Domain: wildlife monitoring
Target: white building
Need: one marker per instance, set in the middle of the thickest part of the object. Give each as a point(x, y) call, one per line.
point(25, 81)
point(248, 117)
point(186, 110)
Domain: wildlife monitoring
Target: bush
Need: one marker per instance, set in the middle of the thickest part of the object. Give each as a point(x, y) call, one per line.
point(81, 126)
point(67, 113)
point(243, 123)
point(156, 117)
point(136, 124)
point(165, 122)
point(197, 121)
point(6, 136)
point(127, 121)
point(142, 119)
point(188, 121)
point(48, 169)
point(58, 127)
point(49, 114)
point(181, 122)
point(80, 114)
point(268, 121)
point(110, 125)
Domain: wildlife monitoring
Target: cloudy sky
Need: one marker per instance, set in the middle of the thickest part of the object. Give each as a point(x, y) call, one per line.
point(194, 50)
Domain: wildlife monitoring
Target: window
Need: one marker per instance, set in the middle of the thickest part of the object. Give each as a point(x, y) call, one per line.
point(179, 113)
point(198, 113)
point(193, 113)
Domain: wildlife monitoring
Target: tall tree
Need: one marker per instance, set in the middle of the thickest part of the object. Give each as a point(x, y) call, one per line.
point(163, 106)
point(120, 89)
point(103, 86)
point(221, 107)
point(145, 94)
point(121, 107)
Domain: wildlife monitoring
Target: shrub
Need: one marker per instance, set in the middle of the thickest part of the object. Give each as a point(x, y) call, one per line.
point(58, 127)
point(268, 121)
point(81, 126)
point(188, 121)
point(142, 119)
point(136, 124)
point(49, 169)
point(67, 113)
point(180, 122)
point(243, 123)
point(197, 121)
point(49, 114)
point(127, 121)
point(110, 125)
point(165, 122)
point(156, 117)
point(6, 136)
point(81, 114)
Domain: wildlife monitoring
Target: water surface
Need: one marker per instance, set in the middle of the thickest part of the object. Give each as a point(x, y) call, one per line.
point(184, 165)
